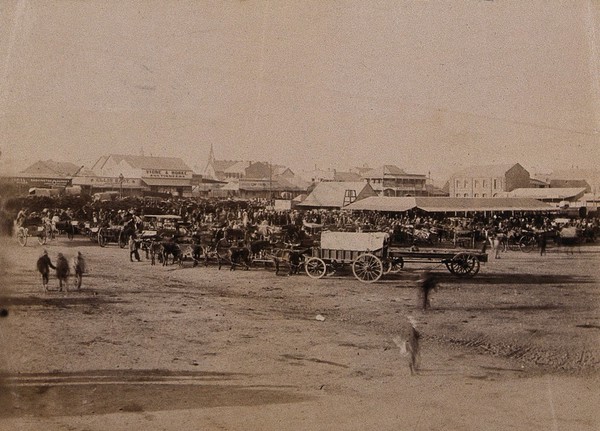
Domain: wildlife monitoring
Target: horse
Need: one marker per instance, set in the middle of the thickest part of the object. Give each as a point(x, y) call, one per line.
point(294, 258)
point(170, 248)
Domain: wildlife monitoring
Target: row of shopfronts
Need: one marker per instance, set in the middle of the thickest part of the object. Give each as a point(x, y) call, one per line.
point(127, 175)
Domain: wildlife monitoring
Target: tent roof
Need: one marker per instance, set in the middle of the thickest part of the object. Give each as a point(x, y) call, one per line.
point(331, 194)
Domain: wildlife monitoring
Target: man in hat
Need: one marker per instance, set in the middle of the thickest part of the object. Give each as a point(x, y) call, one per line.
point(43, 266)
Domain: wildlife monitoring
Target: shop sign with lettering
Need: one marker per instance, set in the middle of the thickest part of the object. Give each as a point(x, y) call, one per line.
point(166, 173)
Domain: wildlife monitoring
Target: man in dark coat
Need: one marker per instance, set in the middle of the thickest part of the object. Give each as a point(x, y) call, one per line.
point(79, 266)
point(62, 271)
point(43, 266)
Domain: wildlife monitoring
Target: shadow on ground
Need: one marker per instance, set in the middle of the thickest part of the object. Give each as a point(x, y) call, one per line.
point(112, 391)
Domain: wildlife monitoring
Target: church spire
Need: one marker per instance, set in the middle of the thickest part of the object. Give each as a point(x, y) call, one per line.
point(209, 169)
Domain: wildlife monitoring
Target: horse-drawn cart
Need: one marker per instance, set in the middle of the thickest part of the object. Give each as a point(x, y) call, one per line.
point(364, 252)
point(30, 228)
point(370, 256)
point(460, 262)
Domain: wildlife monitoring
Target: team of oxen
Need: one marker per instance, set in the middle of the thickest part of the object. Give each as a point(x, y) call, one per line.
point(236, 247)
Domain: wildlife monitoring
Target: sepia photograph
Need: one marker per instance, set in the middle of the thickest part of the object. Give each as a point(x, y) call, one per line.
point(300, 215)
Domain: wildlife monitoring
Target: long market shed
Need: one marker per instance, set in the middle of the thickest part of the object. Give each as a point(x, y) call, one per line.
point(450, 205)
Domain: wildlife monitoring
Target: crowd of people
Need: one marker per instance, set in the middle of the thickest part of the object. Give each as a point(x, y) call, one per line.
point(411, 227)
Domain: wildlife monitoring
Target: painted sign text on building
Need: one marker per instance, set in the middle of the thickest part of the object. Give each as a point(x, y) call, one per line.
point(166, 173)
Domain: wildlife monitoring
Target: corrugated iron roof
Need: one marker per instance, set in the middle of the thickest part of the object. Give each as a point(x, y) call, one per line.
point(50, 168)
point(151, 162)
point(446, 204)
point(548, 193)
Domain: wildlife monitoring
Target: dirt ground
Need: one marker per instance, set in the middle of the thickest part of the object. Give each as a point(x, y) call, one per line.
point(150, 347)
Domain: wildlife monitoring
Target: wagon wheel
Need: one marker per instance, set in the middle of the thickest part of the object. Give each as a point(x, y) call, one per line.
point(101, 238)
point(122, 239)
point(367, 268)
point(22, 236)
point(527, 243)
point(315, 267)
point(393, 266)
point(42, 237)
point(464, 265)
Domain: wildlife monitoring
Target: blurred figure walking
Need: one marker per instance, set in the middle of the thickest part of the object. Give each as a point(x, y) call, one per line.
point(43, 266)
point(425, 285)
point(79, 269)
point(62, 271)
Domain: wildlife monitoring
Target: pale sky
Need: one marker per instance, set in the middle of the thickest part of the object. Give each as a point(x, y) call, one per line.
point(428, 86)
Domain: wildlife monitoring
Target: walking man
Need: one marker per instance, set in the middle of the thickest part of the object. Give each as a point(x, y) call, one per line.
point(426, 284)
point(43, 266)
point(79, 267)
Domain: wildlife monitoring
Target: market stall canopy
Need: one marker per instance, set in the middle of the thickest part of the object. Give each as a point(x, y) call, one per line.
point(382, 203)
point(445, 204)
point(568, 193)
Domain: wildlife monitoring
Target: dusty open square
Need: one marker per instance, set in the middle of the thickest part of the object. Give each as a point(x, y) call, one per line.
point(153, 347)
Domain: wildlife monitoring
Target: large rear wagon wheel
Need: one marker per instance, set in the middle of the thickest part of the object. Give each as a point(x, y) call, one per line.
point(527, 244)
point(393, 266)
point(367, 268)
point(22, 236)
point(464, 265)
point(315, 267)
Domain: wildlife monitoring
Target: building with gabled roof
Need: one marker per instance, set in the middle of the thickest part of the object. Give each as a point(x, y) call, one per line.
point(132, 174)
point(486, 181)
point(46, 174)
point(390, 180)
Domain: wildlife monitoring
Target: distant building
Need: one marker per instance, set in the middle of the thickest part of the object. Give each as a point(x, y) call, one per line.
point(571, 184)
point(330, 175)
point(47, 174)
point(574, 177)
point(548, 194)
point(390, 180)
point(488, 180)
point(135, 175)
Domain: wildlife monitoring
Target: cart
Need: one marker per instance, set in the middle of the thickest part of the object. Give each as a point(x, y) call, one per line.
point(460, 262)
point(370, 256)
point(32, 228)
point(365, 253)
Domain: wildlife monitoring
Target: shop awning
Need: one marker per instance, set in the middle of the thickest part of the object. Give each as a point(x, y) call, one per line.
point(168, 182)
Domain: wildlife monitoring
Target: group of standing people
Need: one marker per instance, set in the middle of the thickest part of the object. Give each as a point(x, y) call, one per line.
point(62, 268)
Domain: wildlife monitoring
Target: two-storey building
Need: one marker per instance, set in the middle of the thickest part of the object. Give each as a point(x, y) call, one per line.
point(488, 181)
